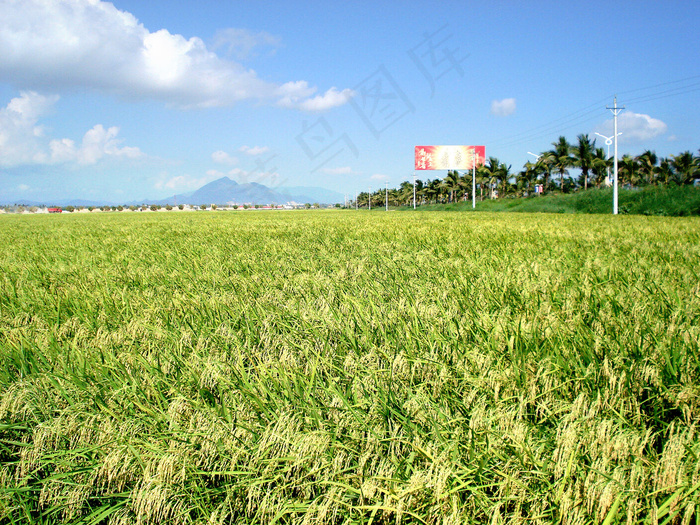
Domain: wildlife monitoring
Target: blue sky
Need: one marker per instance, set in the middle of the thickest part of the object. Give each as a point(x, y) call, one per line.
point(141, 100)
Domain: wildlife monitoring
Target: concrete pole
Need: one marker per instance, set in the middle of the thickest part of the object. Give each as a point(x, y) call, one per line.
point(615, 111)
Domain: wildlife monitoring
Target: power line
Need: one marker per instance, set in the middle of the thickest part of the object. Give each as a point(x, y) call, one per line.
point(571, 117)
point(552, 130)
point(666, 94)
point(578, 117)
point(659, 85)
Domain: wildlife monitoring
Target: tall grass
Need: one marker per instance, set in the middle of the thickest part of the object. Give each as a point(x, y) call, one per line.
point(349, 368)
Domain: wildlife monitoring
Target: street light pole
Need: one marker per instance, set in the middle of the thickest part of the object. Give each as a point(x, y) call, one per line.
point(608, 143)
point(615, 111)
point(369, 200)
point(387, 195)
point(414, 191)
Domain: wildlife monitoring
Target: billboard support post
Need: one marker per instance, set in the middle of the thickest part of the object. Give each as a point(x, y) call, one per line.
point(474, 180)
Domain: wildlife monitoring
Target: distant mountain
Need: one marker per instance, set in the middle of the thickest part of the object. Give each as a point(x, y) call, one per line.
point(226, 191)
point(313, 194)
point(221, 192)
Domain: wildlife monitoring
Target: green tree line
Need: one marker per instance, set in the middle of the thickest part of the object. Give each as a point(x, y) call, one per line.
point(550, 172)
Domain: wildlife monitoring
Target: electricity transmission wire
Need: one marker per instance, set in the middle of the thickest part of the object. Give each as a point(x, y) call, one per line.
point(595, 110)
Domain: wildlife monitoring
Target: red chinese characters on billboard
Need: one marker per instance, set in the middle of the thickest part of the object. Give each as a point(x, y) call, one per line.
point(449, 157)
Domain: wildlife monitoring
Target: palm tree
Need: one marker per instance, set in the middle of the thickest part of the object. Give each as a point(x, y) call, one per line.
point(504, 176)
point(545, 164)
point(528, 176)
point(625, 170)
point(561, 159)
point(452, 184)
point(583, 156)
point(443, 191)
point(664, 171)
point(490, 173)
point(405, 193)
point(646, 163)
point(600, 166)
point(685, 167)
point(420, 191)
point(362, 199)
point(465, 184)
point(394, 196)
point(482, 174)
point(432, 190)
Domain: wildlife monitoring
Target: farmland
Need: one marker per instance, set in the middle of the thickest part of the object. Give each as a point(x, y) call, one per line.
point(349, 367)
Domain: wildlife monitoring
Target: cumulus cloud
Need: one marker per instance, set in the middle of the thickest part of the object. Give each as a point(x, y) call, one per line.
point(221, 157)
point(100, 142)
point(503, 108)
point(330, 99)
point(59, 44)
point(20, 131)
point(635, 127)
point(23, 140)
point(255, 150)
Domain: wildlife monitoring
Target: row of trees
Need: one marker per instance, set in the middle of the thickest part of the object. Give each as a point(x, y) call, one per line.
point(551, 171)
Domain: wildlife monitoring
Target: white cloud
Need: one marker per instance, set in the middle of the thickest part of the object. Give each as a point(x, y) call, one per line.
point(503, 108)
point(20, 132)
point(59, 44)
point(330, 99)
point(185, 182)
point(269, 178)
point(23, 187)
point(100, 142)
point(255, 150)
point(23, 141)
point(240, 43)
point(379, 176)
point(97, 143)
point(221, 157)
point(635, 127)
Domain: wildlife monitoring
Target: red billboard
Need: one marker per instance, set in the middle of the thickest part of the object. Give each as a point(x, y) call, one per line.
point(449, 157)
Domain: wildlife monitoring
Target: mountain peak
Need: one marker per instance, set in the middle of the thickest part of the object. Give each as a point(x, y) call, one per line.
point(225, 190)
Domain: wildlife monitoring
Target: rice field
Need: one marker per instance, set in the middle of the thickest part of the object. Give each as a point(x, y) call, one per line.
point(349, 368)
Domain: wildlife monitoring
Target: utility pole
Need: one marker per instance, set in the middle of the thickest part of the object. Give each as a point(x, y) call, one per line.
point(615, 111)
point(369, 200)
point(355, 200)
point(387, 195)
point(414, 191)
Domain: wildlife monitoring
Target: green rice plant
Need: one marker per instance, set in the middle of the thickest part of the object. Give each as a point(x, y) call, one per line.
point(337, 367)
